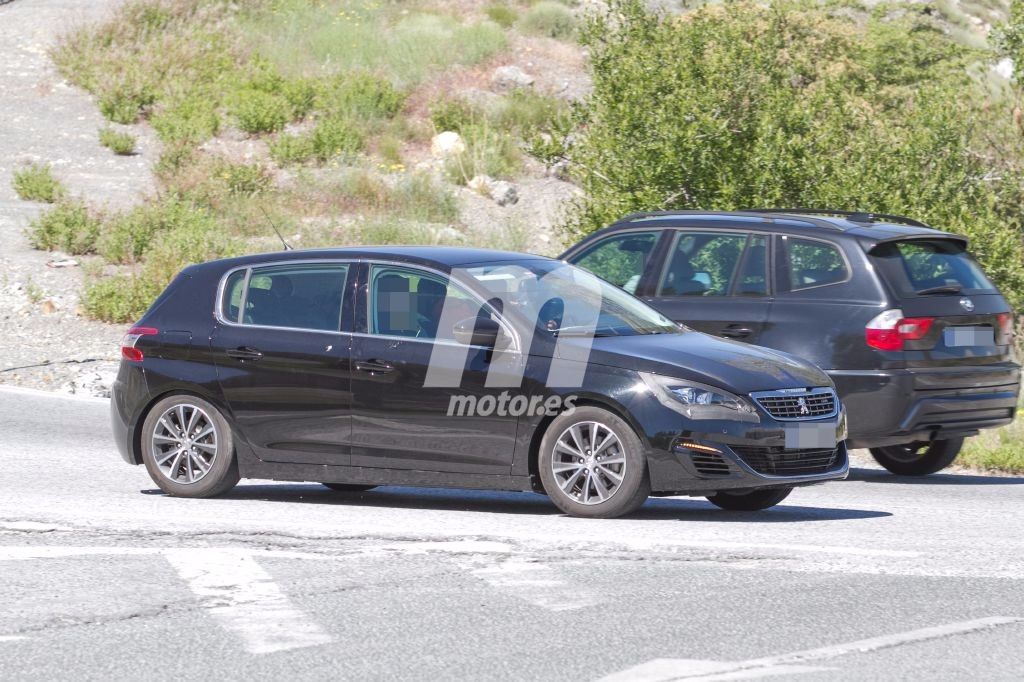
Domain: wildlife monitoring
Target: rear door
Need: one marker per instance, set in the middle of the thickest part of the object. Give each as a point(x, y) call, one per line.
point(716, 282)
point(283, 360)
point(936, 281)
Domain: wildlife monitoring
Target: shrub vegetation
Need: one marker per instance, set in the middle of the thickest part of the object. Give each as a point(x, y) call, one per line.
point(794, 104)
point(37, 183)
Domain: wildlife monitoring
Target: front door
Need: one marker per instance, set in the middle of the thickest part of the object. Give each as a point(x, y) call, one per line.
point(283, 361)
point(401, 420)
point(716, 282)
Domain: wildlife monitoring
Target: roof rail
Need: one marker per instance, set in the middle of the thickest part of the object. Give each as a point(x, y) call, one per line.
point(640, 215)
point(854, 216)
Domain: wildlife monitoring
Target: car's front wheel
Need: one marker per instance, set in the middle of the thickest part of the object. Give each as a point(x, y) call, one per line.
point(592, 464)
point(920, 458)
point(188, 449)
point(754, 500)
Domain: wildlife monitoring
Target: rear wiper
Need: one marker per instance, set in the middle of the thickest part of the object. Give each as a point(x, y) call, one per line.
point(943, 289)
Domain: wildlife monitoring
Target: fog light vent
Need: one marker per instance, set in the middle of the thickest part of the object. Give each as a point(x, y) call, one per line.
point(707, 460)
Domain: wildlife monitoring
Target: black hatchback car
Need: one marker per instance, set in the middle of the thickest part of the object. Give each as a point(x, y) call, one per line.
point(429, 366)
point(916, 338)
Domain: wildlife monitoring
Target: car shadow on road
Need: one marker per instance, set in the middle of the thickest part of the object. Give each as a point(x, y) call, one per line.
point(950, 478)
point(498, 502)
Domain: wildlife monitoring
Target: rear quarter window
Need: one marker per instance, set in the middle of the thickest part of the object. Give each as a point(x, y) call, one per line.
point(813, 263)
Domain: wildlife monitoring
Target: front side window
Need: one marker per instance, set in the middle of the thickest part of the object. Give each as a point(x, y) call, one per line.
point(621, 259)
point(410, 302)
point(297, 296)
point(814, 263)
point(702, 264)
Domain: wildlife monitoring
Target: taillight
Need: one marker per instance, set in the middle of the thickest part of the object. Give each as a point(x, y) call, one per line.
point(1006, 326)
point(890, 329)
point(128, 349)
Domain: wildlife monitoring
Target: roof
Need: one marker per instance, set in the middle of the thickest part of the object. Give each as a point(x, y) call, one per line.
point(440, 257)
point(770, 220)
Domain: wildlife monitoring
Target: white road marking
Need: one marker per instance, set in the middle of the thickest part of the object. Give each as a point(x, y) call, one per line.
point(537, 584)
point(245, 600)
point(666, 669)
point(16, 390)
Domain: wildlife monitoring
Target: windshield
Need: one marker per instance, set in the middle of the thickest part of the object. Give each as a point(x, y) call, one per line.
point(562, 299)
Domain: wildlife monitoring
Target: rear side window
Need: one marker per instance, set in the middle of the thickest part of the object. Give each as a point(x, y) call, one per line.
point(620, 260)
point(814, 263)
point(706, 264)
point(296, 296)
point(935, 264)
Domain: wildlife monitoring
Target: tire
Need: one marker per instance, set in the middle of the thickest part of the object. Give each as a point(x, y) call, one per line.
point(215, 449)
point(573, 487)
point(919, 458)
point(755, 500)
point(347, 487)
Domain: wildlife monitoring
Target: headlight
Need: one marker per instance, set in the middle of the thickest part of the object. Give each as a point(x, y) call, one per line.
point(697, 401)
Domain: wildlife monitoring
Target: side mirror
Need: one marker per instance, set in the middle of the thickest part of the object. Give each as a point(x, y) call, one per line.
point(477, 331)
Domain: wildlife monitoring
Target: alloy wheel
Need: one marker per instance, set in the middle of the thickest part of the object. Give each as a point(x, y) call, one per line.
point(185, 443)
point(588, 463)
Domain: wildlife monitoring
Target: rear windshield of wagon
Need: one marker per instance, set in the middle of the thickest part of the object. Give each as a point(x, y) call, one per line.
point(927, 266)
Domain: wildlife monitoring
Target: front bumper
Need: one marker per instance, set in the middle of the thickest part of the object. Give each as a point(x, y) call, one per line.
point(891, 407)
point(727, 455)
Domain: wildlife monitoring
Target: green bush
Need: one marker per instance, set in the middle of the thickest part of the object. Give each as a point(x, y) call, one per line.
point(549, 19)
point(336, 136)
point(260, 112)
point(67, 227)
point(190, 119)
point(128, 237)
point(120, 299)
point(792, 104)
point(454, 114)
point(243, 178)
point(288, 149)
point(529, 112)
point(121, 143)
point(501, 14)
point(363, 95)
point(37, 183)
point(124, 100)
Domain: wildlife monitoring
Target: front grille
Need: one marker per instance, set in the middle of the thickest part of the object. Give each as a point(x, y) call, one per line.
point(781, 462)
point(813, 404)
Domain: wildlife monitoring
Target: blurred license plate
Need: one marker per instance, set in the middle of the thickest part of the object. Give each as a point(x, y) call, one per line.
point(969, 336)
point(810, 436)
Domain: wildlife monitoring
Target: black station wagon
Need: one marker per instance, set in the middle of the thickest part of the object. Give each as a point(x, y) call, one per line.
point(429, 366)
point(916, 338)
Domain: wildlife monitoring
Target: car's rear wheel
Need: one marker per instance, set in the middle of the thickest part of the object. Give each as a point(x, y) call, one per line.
point(754, 500)
point(592, 464)
point(919, 458)
point(348, 487)
point(188, 448)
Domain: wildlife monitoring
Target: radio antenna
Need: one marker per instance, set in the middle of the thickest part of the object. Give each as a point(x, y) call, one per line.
point(266, 215)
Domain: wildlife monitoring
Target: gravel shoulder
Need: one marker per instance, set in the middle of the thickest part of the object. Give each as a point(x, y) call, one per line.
point(46, 120)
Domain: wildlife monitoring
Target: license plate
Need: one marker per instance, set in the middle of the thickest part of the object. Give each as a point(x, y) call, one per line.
point(968, 336)
point(810, 436)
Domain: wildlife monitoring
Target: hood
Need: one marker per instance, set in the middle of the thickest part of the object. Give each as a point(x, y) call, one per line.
point(732, 365)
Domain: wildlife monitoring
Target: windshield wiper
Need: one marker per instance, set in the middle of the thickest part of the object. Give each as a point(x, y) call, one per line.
point(584, 330)
point(943, 289)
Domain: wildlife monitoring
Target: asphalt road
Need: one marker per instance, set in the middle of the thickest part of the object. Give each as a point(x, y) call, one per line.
point(105, 578)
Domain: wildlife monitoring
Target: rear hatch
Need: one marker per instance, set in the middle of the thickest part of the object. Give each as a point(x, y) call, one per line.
point(949, 313)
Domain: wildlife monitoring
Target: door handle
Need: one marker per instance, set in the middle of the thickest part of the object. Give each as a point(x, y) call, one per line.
point(736, 332)
point(374, 367)
point(244, 353)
